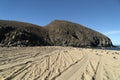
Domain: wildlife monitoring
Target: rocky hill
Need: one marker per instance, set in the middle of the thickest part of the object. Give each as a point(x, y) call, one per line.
point(13, 33)
point(57, 33)
point(71, 34)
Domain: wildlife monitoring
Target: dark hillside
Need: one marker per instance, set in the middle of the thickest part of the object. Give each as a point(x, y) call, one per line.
point(64, 33)
point(14, 33)
point(57, 33)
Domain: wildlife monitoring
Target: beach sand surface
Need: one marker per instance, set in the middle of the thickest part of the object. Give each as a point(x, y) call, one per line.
point(58, 63)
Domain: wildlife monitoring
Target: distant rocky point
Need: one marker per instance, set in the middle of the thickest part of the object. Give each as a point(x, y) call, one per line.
point(57, 33)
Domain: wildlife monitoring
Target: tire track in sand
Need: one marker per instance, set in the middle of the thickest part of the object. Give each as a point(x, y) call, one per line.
point(76, 70)
point(99, 71)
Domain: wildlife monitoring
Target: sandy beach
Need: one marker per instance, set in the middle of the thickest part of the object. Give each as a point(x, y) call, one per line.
point(58, 63)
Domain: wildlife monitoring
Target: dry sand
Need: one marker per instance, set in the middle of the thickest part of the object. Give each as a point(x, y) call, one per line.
point(58, 63)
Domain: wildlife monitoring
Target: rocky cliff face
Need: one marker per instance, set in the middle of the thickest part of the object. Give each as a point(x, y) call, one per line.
point(64, 33)
point(57, 33)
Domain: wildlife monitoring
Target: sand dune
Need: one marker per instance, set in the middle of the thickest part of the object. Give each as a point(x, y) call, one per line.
point(58, 63)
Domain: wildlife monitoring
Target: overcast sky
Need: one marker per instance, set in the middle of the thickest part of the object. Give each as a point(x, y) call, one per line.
point(100, 15)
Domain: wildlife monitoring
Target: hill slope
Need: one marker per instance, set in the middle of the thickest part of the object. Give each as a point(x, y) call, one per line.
point(71, 34)
point(13, 33)
point(58, 33)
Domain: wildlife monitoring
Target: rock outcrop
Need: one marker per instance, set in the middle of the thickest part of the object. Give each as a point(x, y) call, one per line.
point(57, 33)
